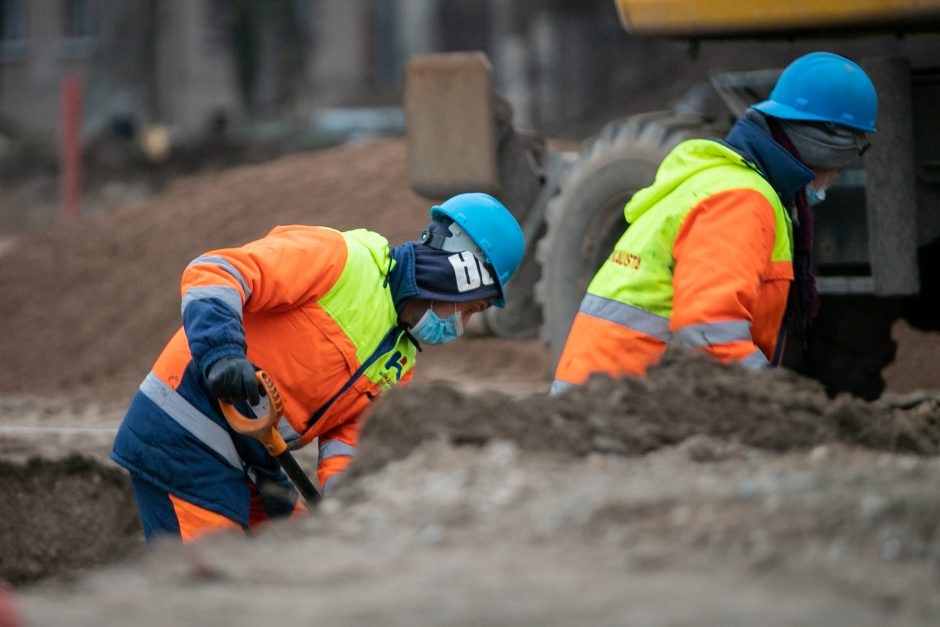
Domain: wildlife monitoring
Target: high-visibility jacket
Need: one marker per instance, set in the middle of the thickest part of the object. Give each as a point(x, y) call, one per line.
point(706, 263)
point(309, 305)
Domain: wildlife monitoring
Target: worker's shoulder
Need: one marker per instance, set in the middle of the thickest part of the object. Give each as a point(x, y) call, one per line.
point(304, 235)
point(701, 154)
point(303, 230)
point(365, 237)
point(327, 240)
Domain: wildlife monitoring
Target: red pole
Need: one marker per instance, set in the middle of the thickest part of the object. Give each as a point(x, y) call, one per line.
point(70, 162)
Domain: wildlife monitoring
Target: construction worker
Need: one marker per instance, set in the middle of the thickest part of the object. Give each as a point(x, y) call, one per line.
point(334, 318)
point(717, 254)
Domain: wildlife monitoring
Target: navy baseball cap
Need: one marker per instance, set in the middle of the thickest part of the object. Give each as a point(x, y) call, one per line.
point(453, 276)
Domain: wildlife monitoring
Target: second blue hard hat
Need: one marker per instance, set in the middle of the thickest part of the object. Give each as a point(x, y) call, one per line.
point(824, 87)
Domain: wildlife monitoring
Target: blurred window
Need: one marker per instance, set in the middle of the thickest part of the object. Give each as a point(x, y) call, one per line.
point(219, 18)
point(12, 26)
point(76, 28)
point(77, 19)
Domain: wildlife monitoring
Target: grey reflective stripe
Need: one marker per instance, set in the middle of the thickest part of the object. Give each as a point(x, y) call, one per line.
point(626, 316)
point(709, 333)
point(328, 484)
point(333, 448)
point(559, 386)
point(225, 264)
point(755, 360)
point(287, 431)
point(190, 418)
point(228, 295)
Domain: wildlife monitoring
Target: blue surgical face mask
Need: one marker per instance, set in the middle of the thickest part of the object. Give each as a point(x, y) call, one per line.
point(815, 196)
point(432, 329)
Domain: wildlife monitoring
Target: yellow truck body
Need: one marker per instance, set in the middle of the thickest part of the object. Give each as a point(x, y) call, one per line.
point(730, 18)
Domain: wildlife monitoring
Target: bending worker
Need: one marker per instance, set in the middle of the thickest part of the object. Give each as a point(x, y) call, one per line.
point(717, 253)
point(335, 318)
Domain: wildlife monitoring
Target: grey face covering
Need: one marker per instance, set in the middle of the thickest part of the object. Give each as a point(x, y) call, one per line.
point(821, 145)
point(825, 146)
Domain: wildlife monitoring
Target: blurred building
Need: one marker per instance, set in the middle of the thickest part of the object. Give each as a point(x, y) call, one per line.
point(208, 65)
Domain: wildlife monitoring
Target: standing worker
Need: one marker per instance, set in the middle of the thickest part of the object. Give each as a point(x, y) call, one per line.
point(334, 318)
point(717, 256)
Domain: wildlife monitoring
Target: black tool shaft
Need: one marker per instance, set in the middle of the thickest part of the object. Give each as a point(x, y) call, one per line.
point(298, 478)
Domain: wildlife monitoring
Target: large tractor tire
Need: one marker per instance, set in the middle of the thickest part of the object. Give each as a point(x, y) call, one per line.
point(585, 219)
point(521, 185)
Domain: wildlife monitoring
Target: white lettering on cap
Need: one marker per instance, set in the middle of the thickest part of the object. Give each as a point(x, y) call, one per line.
point(468, 271)
point(485, 274)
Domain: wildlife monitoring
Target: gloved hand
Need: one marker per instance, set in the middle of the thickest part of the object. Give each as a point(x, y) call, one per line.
point(232, 379)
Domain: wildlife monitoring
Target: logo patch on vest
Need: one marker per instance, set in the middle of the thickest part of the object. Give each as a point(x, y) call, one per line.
point(469, 272)
point(394, 368)
point(625, 259)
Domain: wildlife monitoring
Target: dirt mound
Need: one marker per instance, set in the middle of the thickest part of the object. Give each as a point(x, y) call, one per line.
point(88, 306)
point(710, 478)
point(59, 517)
point(684, 396)
point(463, 535)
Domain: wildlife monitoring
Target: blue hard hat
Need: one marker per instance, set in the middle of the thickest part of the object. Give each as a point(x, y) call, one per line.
point(491, 227)
point(824, 87)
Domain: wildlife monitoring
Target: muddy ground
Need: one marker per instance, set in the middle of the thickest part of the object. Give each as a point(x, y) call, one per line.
point(704, 495)
point(739, 499)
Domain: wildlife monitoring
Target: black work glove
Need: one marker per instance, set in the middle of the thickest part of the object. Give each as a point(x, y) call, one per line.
point(232, 379)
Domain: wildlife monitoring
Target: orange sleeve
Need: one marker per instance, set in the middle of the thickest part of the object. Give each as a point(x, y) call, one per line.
point(290, 265)
point(721, 253)
point(337, 447)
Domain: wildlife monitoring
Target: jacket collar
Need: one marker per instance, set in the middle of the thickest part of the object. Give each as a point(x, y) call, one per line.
point(401, 276)
point(781, 169)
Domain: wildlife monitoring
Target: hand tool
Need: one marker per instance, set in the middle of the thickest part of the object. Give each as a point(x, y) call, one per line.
point(264, 429)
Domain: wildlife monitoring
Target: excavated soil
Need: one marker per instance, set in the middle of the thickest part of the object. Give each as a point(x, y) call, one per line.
point(701, 495)
point(698, 462)
point(64, 516)
point(683, 397)
point(704, 494)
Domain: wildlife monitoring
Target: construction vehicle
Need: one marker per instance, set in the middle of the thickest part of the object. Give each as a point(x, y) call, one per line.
point(877, 250)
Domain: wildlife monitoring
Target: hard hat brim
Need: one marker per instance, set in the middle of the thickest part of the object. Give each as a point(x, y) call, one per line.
point(786, 112)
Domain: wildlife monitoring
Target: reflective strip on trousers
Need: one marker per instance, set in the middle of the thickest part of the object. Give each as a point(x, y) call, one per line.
point(709, 333)
point(626, 316)
point(334, 448)
point(191, 419)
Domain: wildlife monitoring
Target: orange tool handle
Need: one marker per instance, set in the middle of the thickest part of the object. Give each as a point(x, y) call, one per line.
point(263, 429)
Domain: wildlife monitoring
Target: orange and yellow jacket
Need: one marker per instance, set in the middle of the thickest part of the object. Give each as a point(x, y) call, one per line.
point(706, 263)
point(311, 306)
